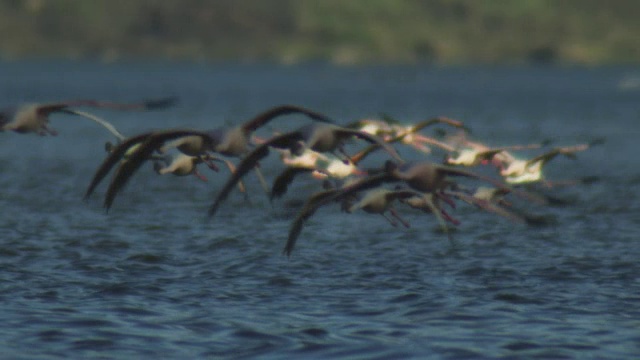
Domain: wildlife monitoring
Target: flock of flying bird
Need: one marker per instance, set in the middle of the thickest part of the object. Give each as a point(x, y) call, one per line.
point(318, 148)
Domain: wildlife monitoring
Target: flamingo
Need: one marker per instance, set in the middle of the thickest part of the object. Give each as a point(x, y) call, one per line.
point(34, 118)
point(140, 148)
point(518, 171)
point(318, 137)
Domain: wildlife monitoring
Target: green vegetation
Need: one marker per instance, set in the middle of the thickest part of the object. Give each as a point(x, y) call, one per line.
point(339, 31)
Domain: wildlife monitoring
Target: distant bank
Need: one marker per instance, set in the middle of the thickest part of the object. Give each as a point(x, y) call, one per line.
point(336, 31)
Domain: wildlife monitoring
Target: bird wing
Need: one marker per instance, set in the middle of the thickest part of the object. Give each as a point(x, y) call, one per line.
point(402, 194)
point(150, 143)
point(489, 154)
point(547, 156)
point(311, 205)
point(360, 185)
point(487, 205)
point(107, 125)
point(439, 120)
point(343, 132)
point(322, 198)
point(46, 109)
point(250, 161)
point(568, 151)
point(264, 117)
point(282, 182)
point(150, 104)
point(114, 156)
point(355, 159)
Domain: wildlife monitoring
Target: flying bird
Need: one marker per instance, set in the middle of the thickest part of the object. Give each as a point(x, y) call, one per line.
point(316, 136)
point(34, 118)
point(518, 171)
point(196, 143)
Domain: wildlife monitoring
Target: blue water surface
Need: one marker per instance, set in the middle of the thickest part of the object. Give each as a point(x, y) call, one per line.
point(154, 278)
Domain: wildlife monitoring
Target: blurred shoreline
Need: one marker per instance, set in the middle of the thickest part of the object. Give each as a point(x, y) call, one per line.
point(439, 32)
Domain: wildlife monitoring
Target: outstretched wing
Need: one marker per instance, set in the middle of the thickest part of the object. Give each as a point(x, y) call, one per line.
point(355, 159)
point(452, 171)
point(150, 104)
point(115, 155)
point(344, 132)
point(487, 205)
point(282, 182)
point(250, 161)
point(139, 156)
point(107, 125)
point(313, 203)
point(439, 120)
point(274, 112)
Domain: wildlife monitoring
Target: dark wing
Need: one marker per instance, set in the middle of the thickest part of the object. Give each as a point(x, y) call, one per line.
point(402, 194)
point(487, 205)
point(547, 156)
point(139, 156)
point(489, 154)
point(439, 120)
point(568, 151)
point(151, 104)
point(46, 109)
point(313, 203)
point(355, 159)
point(282, 182)
point(250, 161)
point(326, 197)
point(389, 119)
point(454, 171)
point(343, 132)
point(360, 185)
point(116, 153)
point(274, 112)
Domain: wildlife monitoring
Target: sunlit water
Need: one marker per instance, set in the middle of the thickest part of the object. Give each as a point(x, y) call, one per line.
point(155, 278)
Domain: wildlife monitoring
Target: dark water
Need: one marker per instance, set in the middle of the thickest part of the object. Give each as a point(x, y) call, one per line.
point(154, 278)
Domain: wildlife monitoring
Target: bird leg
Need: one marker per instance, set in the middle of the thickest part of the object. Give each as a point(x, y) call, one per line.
point(447, 199)
point(197, 174)
point(232, 170)
point(395, 214)
point(210, 163)
point(391, 221)
point(449, 218)
point(439, 214)
point(260, 177)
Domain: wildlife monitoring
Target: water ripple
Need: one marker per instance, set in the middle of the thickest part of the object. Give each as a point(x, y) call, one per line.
point(154, 278)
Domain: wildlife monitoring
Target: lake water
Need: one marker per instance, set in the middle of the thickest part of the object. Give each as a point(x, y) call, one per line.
point(154, 278)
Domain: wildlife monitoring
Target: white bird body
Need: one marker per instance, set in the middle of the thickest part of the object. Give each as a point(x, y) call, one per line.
point(338, 169)
point(466, 157)
point(308, 158)
point(521, 171)
point(181, 165)
point(28, 119)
